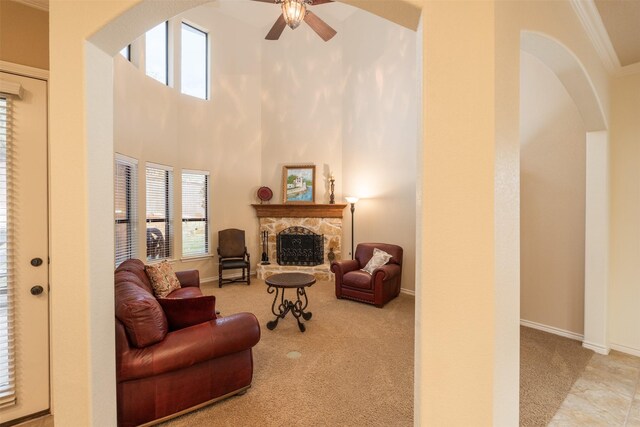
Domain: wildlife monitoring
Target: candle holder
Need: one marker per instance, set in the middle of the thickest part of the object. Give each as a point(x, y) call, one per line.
point(332, 197)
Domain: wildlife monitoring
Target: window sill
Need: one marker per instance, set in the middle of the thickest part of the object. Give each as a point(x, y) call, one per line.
point(196, 258)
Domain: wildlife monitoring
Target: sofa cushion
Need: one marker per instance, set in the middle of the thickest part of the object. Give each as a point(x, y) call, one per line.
point(357, 279)
point(378, 259)
point(163, 279)
point(185, 312)
point(139, 311)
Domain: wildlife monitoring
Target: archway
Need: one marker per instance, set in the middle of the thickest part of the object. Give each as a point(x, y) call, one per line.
point(573, 76)
point(100, 49)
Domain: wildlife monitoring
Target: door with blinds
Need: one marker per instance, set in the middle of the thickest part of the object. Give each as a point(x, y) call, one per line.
point(24, 270)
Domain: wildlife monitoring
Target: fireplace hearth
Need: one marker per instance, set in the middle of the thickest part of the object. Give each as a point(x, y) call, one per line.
point(299, 246)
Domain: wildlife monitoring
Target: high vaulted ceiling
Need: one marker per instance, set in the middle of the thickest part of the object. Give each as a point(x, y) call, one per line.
point(612, 25)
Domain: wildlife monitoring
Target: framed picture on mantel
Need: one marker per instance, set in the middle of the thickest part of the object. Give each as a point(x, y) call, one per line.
point(299, 184)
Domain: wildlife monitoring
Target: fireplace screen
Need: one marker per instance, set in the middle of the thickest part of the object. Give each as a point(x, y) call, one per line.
point(300, 246)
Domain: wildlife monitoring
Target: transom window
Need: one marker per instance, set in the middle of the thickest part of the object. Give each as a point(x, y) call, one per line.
point(156, 53)
point(194, 67)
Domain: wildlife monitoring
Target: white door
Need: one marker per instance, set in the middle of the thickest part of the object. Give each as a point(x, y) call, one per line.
point(24, 271)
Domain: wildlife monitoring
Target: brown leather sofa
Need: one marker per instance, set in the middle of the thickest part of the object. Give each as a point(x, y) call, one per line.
point(377, 288)
point(167, 364)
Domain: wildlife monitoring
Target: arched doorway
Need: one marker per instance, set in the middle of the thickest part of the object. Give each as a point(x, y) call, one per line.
point(573, 76)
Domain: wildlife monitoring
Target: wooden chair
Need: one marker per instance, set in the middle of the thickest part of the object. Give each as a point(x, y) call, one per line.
point(233, 255)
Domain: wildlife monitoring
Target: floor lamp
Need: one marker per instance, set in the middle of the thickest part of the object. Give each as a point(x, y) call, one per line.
point(353, 201)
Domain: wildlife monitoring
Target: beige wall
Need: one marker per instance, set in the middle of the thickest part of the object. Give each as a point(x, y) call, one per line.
point(24, 35)
point(348, 106)
point(624, 288)
point(156, 123)
point(552, 200)
point(558, 21)
point(302, 108)
point(380, 134)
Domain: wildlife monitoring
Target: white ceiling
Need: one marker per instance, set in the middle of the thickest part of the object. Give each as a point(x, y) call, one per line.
point(621, 19)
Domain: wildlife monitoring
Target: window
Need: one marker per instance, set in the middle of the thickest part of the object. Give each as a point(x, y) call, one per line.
point(194, 62)
point(195, 216)
point(126, 201)
point(126, 52)
point(156, 53)
point(7, 375)
point(159, 215)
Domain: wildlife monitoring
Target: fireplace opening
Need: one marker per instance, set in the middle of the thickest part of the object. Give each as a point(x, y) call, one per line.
point(299, 246)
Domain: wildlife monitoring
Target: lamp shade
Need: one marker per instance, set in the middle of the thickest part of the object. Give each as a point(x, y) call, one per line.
point(293, 12)
point(352, 199)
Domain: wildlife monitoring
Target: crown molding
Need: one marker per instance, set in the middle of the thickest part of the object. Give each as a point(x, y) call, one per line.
point(38, 4)
point(628, 70)
point(592, 23)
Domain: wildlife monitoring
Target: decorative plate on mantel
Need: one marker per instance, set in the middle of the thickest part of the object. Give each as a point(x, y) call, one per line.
point(264, 194)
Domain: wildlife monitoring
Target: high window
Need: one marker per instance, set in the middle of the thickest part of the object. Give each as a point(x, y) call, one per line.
point(195, 216)
point(194, 68)
point(156, 53)
point(159, 215)
point(126, 201)
point(126, 52)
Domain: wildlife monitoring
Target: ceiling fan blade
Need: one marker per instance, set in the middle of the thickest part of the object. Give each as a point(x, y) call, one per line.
point(266, 1)
point(315, 2)
point(319, 26)
point(276, 30)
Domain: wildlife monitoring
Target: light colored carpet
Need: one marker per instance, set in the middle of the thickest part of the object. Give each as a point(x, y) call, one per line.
point(355, 368)
point(549, 365)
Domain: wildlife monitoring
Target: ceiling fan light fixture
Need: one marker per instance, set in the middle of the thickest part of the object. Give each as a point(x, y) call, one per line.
point(294, 12)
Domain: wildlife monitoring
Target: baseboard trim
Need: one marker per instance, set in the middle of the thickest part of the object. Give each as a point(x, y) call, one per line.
point(408, 292)
point(600, 349)
point(624, 349)
point(551, 330)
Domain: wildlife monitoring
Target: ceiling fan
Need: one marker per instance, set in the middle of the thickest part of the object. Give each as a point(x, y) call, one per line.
point(293, 13)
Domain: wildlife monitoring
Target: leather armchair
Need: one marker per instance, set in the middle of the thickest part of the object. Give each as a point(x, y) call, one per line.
point(163, 371)
point(377, 288)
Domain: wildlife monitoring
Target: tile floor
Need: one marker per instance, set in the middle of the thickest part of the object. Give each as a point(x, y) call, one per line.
point(606, 394)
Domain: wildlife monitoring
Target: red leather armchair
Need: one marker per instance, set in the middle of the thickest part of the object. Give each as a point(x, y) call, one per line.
point(377, 288)
point(167, 364)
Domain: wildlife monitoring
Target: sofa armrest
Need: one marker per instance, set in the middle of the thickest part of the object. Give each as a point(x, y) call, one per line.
point(387, 271)
point(189, 346)
point(188, 278)
point(340, 268)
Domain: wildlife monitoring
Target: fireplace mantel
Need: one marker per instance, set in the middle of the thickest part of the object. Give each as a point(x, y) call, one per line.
point(299, 211)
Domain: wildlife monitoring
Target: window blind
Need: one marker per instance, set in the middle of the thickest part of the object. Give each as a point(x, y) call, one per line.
point(7, 361)
point(125, 203)
point(195, 216)
point(159, 212)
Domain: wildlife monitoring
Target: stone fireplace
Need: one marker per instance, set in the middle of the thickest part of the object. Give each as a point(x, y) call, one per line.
point(301, 223)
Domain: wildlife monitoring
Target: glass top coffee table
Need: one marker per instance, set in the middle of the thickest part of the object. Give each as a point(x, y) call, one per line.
point(277, 284)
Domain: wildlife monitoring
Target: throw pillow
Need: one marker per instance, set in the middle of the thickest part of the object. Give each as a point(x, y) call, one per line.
point(163, 279)
point(378, 259)
point(185, 312)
